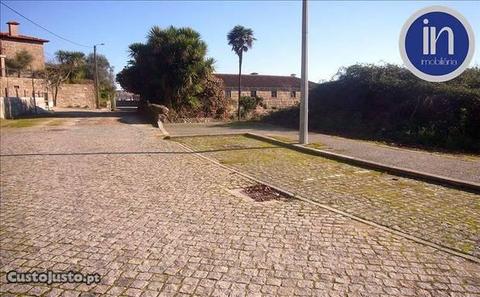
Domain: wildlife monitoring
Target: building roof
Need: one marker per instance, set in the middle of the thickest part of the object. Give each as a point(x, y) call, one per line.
point(262, 81)
point(6, 36)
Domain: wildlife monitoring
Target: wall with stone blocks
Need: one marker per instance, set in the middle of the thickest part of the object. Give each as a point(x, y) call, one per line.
point(283, 99)
point(21, 87)
point(76, 95)
point(69, 95)
point(11, 47)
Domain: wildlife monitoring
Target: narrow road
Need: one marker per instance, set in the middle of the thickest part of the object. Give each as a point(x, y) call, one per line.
point(108, 195)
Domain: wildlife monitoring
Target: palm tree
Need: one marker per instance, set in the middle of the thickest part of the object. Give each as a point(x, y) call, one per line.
point(169, 69)
point(241, 39)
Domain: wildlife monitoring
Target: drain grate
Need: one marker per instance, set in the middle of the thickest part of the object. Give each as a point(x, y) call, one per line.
point(262, 193)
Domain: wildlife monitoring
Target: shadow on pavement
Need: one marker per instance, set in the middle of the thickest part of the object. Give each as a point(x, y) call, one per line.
point(250, 125)
point(137, 153)
point(125, 115)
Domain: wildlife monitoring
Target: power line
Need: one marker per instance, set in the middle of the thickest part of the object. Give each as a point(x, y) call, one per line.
point(33, 22)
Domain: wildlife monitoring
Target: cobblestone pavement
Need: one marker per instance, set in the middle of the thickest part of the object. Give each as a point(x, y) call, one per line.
point(95, 195)
point(462, 167)
point(441, 215)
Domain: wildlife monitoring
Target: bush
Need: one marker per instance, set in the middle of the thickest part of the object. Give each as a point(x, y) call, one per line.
point(249, 104)
point(212, 100)
point(389, 103)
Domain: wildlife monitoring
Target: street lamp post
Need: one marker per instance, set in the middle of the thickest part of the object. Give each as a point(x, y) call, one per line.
point(97, 97)
point(304, 80)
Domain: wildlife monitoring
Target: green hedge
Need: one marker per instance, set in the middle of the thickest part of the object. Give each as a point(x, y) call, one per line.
point(389, 103)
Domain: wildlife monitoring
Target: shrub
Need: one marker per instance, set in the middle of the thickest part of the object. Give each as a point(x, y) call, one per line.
point(212, 99)
point(389, 103)
point(249, 104)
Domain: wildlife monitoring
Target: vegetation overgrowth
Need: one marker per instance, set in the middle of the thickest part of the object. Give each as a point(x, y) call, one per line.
point(388, 103)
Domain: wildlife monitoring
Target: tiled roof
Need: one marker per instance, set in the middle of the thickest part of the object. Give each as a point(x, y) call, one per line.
point(6, 36)
point(262, 81)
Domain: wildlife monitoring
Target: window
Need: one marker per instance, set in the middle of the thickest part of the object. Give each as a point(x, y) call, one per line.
point(293, 94)
point(274, 94)
point(228, 94)
point(253, 93)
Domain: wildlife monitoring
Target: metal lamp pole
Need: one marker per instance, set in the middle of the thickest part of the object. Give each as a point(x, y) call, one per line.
point(97, 97)
point(304, 81)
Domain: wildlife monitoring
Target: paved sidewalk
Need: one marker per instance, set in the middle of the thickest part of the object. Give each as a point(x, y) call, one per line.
point(462, 167)
point(98, 195)
point(442, 215)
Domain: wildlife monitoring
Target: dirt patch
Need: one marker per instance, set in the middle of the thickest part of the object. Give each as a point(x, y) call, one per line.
point(97, 121)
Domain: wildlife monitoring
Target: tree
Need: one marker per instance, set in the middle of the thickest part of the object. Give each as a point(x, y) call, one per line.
point(241, 39)
point(20, 62)
point(73, 67)
point(105, 70)
point(106, 81)
point(68, 66)
point(171, 68)
point(72, 64)
point(55, 76)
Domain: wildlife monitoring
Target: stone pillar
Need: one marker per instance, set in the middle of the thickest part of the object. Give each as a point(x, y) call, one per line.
point(2, 66)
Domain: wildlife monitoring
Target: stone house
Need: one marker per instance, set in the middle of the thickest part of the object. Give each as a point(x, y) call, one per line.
point(277, 91)
point(28, 91)
point(12, 42)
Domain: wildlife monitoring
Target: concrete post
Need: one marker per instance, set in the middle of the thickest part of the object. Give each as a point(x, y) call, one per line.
point(2, 65)
point(304, 83)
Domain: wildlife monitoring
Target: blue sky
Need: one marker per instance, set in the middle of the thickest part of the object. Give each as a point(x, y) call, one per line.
point(340, 33)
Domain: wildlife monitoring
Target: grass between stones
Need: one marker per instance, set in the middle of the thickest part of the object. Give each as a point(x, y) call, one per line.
point(316, 145)
point(25, 123)
point(282, 138)
point(442, 215)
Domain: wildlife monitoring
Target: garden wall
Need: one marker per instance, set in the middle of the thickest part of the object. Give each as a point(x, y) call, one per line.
point(69, 95)
point(76, 95)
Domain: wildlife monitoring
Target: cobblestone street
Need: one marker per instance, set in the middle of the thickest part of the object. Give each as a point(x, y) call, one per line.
point(108, 196)
point(441, 215)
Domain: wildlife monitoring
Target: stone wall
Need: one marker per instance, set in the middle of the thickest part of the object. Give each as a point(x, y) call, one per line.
point(76, 95)
point(22, 87)
point(284, 97)
point(10, 47)
point(69, 95)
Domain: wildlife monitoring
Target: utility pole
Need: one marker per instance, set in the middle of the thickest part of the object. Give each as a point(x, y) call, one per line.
point(239, 82)
point(304, 80)
point(97, 97)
